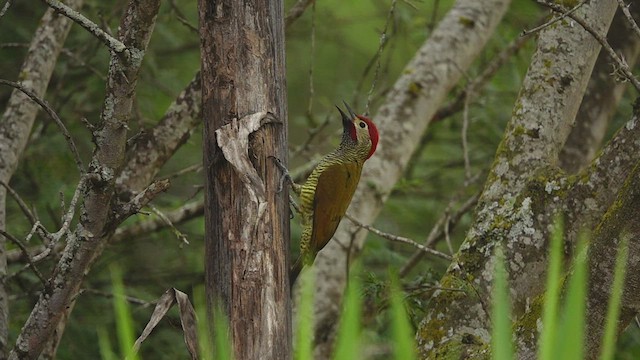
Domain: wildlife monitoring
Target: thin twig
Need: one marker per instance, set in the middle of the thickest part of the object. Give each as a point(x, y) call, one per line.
point(381, 45)
point(113, 43)
point(21, 203)
point(83, 63)
point(447, 238)
point(437, 232)
point(552, 21)
point(188, 169)
point(487, 74)
point(142, 199)
point(130, 299)
point(177, 216)
point(623, 66)
point(399, 239)
point(627, 14)
point(311, 63)
point(180, 16)
point(182, 237)
point(312, 135)
point(68, 216)
point(24, 250)
point(47, 108)
point(465, 128)
point(296, 11)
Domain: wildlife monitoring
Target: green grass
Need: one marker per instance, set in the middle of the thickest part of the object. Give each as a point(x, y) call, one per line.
point(304, 332)
point(568, 320)
point(348, 340)
point(613, 311)
point(501, 333)
point(124, 321)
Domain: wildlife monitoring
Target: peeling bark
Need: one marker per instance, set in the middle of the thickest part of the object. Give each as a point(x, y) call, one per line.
point(246, 221)
point(402, 119)
point(17, 121)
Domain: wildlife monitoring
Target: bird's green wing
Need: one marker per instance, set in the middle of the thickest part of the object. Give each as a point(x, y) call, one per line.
point(334, 191)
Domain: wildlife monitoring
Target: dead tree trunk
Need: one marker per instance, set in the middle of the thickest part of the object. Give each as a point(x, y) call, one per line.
point(246, 220)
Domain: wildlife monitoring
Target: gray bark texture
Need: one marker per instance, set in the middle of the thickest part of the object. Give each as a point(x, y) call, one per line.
point(17, 121)
point(402, 119)
point(524, 192)
point(246, 220)
point(602, 97)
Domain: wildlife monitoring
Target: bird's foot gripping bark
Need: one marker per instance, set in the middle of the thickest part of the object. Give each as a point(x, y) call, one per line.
point(286, 177)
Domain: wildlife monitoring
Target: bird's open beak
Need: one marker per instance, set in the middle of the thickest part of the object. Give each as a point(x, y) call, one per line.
point(347, 120)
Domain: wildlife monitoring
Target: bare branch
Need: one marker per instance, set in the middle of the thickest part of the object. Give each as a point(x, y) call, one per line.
point(437, 233)
point(182, 237)
point(630, 19)
point(142, 199)
point(177, 216)
point(296, 11)
point(47, 108)
point(381, 46)
point(487, 74)
point(553, 21)
point(21, 204)
point(400, 239)
point(622, 65)
point(68, 216)
point(24, 250)
point(110, 295)
point(5, 8)
point(111, 42)
point(180, 16)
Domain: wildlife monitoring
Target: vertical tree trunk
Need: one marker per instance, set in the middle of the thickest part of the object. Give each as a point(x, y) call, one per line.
point(246, 221)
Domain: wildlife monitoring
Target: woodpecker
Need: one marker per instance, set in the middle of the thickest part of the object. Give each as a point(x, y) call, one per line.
point(325, 196)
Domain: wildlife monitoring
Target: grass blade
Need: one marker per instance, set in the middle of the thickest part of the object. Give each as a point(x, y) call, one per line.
point(613, 311)
point(124, 321)
point(204, 331)
point(404, 347)
point(348, 341)
point(304, 336)
point(572, 347)
point(104, 344)
point(550, 311)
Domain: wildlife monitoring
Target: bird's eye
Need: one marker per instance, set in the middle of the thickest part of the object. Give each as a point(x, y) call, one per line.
point(362, 124)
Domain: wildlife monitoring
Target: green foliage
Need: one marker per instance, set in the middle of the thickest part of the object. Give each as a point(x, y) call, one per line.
point(204, 334)
point(304, 335)
point(613, 311)
point(563, 331)
point(348, 342)
point(105, 345)
point(572, 319)
point(124, 321)
point(552, 297)
point(404, 347)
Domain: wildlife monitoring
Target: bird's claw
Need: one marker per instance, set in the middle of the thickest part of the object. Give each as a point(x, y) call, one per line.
point(285, 174)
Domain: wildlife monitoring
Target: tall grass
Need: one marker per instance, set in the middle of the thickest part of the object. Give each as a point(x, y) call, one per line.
point(568, 320)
